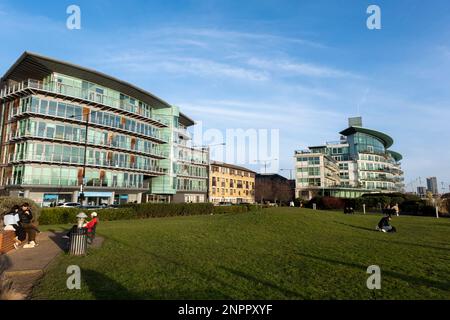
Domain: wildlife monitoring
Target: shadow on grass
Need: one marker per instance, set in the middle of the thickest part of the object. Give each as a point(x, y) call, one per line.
point(419, 281)
point(105, 288)
point(356, 227)
point(257, 281)
point(209, 294)
point(419, 245)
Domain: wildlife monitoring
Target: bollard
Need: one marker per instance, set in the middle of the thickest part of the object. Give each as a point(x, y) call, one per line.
point(78, 241)
point(364, 208)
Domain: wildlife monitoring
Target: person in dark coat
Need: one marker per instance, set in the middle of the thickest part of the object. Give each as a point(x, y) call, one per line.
point(384, 225)
point(26, 220)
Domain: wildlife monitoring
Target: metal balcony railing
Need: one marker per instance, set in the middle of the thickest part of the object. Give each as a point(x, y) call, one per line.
point(34, 180)
point(27, 110)
point(92, 143)
point(83, 94)
point(90, 162)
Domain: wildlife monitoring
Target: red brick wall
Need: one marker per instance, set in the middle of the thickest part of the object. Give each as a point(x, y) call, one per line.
point(6, 241)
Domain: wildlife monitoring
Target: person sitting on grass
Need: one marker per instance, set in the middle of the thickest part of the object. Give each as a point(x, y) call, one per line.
point(384, 225)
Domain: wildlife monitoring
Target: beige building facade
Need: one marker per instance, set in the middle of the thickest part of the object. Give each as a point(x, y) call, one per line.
point(231, 184)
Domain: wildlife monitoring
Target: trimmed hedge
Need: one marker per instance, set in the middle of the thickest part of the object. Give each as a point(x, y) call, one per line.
point(236, 208)
point(51, 216)
point(408, 204)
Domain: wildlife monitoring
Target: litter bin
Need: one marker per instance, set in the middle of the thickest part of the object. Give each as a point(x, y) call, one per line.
point(78, 241)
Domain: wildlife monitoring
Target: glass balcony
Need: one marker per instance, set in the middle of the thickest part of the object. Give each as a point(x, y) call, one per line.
point(42, 180)
point(59, 159)
point(91, 97)
point(91, 143)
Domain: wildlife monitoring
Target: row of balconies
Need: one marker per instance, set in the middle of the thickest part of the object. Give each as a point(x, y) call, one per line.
point(83, 94)
point(99, 144)
point(35, 180)
point(90, 162)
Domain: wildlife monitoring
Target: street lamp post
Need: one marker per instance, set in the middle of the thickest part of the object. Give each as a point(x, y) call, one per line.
point(266, 162)
point(82, 185)
point(290, 172)
point(208, 147)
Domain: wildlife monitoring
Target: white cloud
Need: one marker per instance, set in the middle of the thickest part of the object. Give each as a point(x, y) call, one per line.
point(140, 62)
point(305, 69)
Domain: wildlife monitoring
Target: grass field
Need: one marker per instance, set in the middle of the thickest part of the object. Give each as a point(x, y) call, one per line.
point(279, 253)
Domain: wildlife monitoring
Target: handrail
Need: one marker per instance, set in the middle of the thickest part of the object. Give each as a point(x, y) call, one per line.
point(74, 182)
point(70, 91)
point(98, 163)
point(22, 110)
point(16, 135)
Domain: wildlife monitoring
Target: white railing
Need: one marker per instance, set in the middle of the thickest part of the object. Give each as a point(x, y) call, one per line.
point(78, 160)
point(84, 94)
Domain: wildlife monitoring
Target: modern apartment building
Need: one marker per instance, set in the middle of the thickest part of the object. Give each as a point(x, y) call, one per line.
point(432, 185)
point(421, 191)
point(230, 183)
point(361, 162)
point(69, 133)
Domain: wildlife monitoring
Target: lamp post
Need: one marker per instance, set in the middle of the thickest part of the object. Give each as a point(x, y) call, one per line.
point(82, 197)
point(266, 162)
point(290, 172)
point(208, 147)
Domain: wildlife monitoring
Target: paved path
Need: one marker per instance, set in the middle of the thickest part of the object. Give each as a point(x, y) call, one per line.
point(24, 267)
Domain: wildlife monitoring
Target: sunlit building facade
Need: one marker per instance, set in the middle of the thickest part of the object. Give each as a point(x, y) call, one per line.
point(361, 162)
point(229, 183)
point(67, 130)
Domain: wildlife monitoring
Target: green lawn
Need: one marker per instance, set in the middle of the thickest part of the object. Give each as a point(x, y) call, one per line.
point(279, 253)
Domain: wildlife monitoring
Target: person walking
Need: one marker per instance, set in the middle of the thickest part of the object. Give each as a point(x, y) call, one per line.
point(396, 209)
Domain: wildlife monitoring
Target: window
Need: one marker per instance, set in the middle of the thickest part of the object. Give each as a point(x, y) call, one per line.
point(34, 104)
point(68, 133)
point(314, 171)
point(52, 108)
point(59, 132)
point(41, 129)
point(314, 161)
point(43, 107)
point(61, 110)
point(70, 112)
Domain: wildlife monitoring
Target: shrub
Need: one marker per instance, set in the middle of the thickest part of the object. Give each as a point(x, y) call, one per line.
point(329, 203)
point(230, 209)
point(127, 212)
point(58, 215)
point(154, 210)
point(6, 204)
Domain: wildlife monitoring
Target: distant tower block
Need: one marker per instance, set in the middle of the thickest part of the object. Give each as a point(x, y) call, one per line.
point(355, 122)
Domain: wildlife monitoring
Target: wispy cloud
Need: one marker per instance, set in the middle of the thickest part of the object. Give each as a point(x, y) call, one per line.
point(229, 35)
point(304, 69)
point(145, 63)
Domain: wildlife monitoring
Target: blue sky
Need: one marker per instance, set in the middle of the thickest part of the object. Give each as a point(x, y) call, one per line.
point(301, 67)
